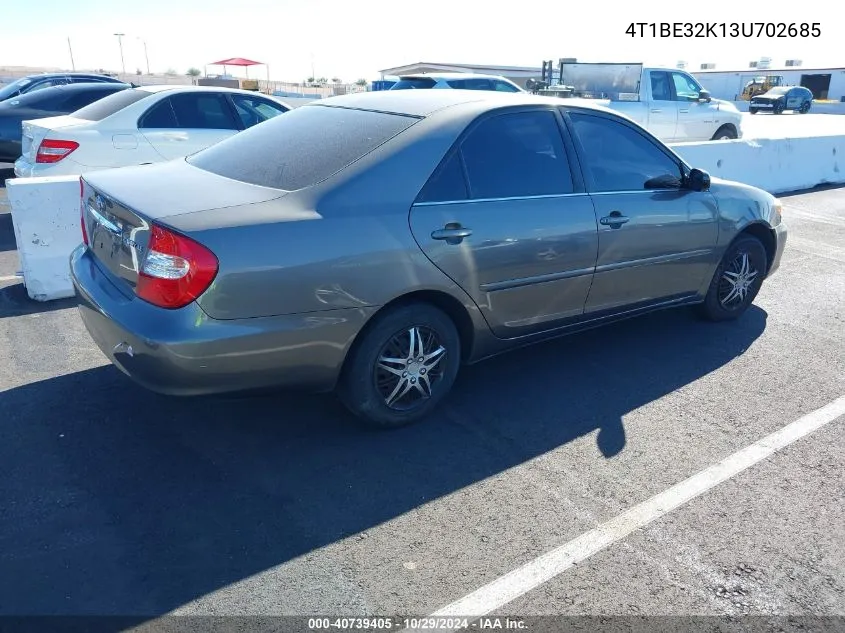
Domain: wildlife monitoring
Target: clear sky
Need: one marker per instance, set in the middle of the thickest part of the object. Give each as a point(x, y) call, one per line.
point(349, 39)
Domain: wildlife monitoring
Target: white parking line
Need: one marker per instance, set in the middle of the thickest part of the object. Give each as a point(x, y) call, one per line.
point(10, 278)
point(542, 569)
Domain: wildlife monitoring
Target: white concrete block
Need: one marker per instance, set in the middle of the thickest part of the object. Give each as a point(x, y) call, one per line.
point(777, 165)
point(45, 217)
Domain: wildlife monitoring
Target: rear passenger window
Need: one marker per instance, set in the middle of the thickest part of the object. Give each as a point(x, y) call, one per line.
point(447, 183)
point(517, 155)
point(203, 111)
point(470, 84)
point(160, 116)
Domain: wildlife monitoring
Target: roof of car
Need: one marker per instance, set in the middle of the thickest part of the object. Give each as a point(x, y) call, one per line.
point(191, 88)
point(422, 103)
point(75, 87)
point(72, 74)
point(450, 76)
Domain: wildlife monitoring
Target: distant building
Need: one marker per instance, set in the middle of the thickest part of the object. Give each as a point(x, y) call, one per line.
point(824, 83)
point(517, 74)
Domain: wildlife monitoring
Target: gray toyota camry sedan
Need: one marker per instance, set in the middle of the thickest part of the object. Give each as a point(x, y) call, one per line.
point(371, 244)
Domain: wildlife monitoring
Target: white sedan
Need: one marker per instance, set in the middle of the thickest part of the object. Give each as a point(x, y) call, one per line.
point(142, 125)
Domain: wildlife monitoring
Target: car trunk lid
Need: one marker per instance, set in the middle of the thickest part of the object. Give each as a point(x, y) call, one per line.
point(120, 207)
point(35, 131)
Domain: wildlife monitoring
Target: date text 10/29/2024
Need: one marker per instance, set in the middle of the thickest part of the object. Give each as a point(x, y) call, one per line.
point(430, 623)
point(724, 29)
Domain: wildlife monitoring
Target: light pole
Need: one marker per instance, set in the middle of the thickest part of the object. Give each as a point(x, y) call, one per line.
point(146, 57)
point(70, 48)
point(120, 43)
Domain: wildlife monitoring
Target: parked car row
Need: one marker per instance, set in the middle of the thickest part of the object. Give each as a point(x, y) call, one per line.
point(139, 126)
point(44, 103)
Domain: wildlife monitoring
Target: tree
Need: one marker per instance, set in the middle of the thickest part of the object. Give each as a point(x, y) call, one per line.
point(361, 82)
point(322, 80)
point(138, 71)
point(310, 80)
point(193, 72)
point(336, 80)
point(170, 71)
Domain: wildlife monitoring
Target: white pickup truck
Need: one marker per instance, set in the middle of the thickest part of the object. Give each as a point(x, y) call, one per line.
point(668, 102)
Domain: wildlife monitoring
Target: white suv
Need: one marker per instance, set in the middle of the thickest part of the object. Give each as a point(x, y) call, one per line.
point(456, 81)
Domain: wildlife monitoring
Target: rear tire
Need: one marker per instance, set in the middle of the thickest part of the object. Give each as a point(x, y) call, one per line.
point(725, 133)
point(737, 280)
point(384, 383)
point(805, 108)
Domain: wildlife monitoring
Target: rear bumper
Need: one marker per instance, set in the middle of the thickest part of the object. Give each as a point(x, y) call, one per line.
point(185, 352)
point(26, 169)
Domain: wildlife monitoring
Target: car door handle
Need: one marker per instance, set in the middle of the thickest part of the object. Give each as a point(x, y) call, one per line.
point(453, 233)
point(656, 110)
point(687, 110)
point(614, 220)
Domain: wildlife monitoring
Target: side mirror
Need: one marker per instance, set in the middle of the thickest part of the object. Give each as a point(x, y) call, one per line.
point(704, 96)
point(698, 180)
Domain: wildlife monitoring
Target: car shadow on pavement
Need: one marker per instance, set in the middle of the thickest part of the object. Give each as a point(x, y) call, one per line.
point(7, 232)
point(118, 501)
point(14, 301)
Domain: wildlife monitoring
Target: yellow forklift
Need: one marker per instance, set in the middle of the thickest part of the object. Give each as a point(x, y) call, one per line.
point(760, 85)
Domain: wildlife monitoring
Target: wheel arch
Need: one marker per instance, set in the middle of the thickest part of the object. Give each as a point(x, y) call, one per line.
point(765, 234)
point(730, 126)
point(447, 303)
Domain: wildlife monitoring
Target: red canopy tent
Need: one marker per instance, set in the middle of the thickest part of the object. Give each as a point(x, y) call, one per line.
point(240, 61)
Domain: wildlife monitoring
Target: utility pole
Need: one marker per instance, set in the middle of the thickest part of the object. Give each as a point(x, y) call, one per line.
point(120, 43)
point(146, 57)
point(72, 63)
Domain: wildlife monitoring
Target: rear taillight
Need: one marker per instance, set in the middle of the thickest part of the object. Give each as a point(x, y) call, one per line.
point(52, 151)
point(82, 213)
point(175, 271)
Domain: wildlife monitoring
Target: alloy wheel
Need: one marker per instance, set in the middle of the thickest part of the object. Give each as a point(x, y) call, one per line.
point(409, 367)
point(736, 281)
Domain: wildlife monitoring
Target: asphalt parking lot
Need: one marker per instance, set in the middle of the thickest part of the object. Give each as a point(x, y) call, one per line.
point(116, 501)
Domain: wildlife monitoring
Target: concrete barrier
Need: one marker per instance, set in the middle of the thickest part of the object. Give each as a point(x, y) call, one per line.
point(45, 217)
point(776, 165)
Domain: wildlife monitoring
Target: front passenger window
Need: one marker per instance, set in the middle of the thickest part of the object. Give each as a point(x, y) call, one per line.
point(619, 158)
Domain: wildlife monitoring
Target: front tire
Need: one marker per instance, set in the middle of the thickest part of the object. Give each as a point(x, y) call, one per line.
point(402, 367)
point(805, 108)
point(752, 110)
point(737, 280)
point(779, 108)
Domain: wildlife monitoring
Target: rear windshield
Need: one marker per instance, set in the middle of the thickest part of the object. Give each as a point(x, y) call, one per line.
point(413, 82)
point(300, 148)
point(107, 106)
